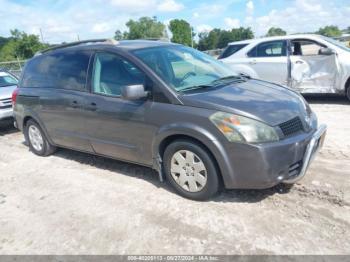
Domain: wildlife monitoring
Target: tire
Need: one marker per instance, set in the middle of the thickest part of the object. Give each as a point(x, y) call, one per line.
point(33, 134)
point(348, 92)
point(191, 180)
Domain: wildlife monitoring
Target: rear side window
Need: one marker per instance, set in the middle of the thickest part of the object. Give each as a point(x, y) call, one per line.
point(269, 49)
point(63, 70)
point(231, 49)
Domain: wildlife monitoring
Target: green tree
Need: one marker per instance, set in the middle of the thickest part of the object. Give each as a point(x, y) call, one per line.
point(145, 27)
point(210, 41)
point(330, 31)
point(218, 38)
point(3, 41)
point(276, 31)
point(118, 35)
point(21, 46)
point(202, 43)
point(181, 31)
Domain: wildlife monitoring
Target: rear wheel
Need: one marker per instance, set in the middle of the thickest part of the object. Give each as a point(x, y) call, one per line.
point(191, 170)
point(37, 140)
point(348, 92)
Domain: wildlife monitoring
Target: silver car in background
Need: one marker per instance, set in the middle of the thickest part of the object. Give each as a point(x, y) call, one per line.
point(307, 63)
point(8, 84)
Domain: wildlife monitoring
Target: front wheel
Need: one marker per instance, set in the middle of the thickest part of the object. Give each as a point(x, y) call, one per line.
point(191, 170)
point(37, 140)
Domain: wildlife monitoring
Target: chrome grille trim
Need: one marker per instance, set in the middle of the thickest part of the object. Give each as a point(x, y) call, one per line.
point(5, 103)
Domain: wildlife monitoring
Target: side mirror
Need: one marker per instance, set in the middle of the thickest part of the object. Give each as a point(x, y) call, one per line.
point(326, 51)
point(134, 92)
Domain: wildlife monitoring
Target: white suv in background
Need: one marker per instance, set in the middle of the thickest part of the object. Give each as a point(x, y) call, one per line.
point(8, 83)
point(306, 63)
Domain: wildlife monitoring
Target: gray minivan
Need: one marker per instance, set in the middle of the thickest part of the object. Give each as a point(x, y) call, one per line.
point(167, 107)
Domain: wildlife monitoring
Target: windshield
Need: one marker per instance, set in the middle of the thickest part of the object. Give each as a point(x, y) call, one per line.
point(182, 67)
point(336, 43)
point(7, 80)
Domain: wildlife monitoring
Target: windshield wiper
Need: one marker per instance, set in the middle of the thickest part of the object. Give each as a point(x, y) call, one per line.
point(216, 82)
point(196, 87)
point(231, 77)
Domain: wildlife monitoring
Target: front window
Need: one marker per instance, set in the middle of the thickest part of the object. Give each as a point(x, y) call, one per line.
point(7, 80)
point(183, 68)
point(112, 73)
point(306, 48)
point(336, 43)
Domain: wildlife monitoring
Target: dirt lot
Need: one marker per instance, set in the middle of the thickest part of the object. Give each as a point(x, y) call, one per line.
point(74, 203)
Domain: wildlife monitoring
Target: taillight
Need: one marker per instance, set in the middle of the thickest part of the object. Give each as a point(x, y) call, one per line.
point(14, 96)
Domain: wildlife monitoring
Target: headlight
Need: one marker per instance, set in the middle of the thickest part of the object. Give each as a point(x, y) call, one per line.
point(242, 129)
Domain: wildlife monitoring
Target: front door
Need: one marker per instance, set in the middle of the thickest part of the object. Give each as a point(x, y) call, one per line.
point(119, 128)
point(312, 72)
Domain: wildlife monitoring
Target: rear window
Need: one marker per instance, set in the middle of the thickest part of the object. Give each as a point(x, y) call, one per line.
point(231, 49)
point(269, 49)
point(64, 70)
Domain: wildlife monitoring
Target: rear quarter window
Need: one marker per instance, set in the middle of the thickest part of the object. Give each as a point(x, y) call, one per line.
point(231, 49)
point(62, 70)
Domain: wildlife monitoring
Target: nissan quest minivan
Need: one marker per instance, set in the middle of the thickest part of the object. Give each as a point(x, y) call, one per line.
point(167, 107)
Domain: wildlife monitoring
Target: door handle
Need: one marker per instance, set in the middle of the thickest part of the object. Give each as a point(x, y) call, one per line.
point(252, 62)
point(299, 62)
point(75, 104)
point(92, 107)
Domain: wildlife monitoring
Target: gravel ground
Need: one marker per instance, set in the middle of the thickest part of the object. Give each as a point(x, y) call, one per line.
point(75, 203)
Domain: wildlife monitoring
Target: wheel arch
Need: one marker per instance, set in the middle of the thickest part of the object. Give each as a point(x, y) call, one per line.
point(347, 84)
point(30, 116)
point(199, 135)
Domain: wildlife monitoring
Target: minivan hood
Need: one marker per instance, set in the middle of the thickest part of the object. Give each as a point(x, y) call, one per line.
point(6, 91)
point(260, 100)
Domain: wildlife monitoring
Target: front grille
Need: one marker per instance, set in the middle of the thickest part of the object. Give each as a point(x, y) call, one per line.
point(291, 126)
point(5, 103)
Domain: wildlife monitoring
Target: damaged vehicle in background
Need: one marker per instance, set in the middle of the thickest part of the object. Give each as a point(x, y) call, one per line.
point(8, 83)
point(307, 63)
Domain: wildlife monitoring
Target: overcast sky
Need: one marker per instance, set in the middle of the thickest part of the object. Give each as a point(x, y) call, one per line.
point(64, 20)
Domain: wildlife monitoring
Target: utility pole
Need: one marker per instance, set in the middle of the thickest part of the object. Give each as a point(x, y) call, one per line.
point(192, 37)
point(78, 37)
point(41, 34)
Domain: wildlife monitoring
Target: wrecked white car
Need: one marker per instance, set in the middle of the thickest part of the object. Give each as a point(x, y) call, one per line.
point(306, 63)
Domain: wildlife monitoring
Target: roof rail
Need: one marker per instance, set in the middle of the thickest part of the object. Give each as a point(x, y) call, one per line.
point(103, 40)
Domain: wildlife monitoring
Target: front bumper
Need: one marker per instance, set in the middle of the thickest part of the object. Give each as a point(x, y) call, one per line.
point(312, 148)
point(266, 165)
